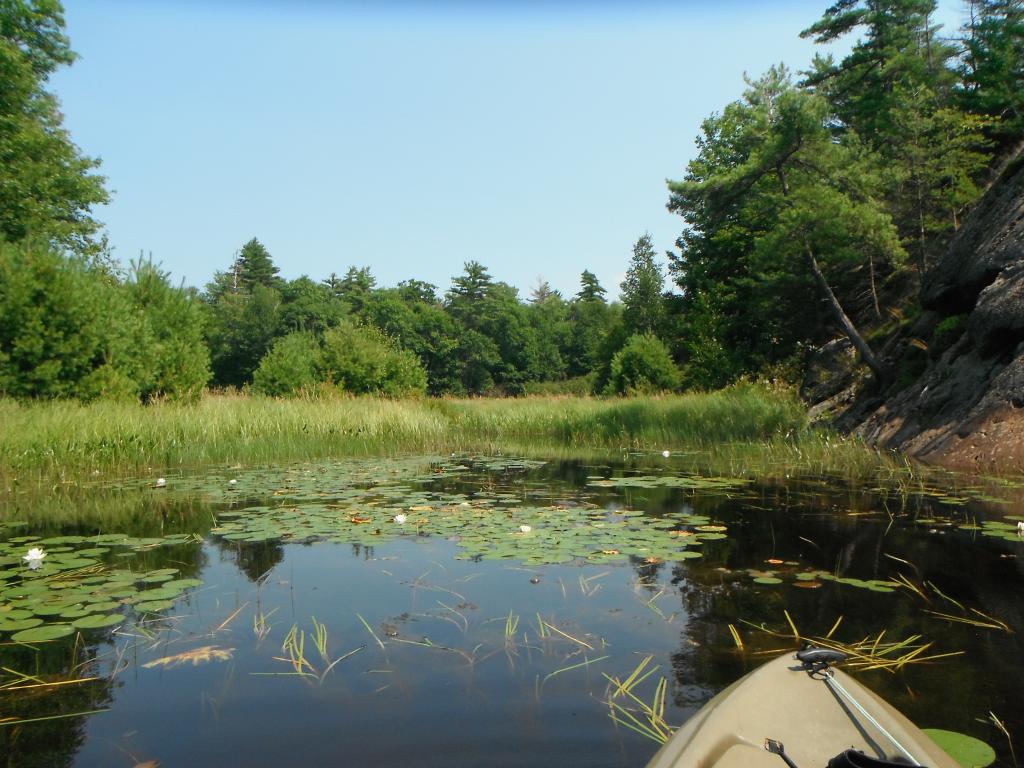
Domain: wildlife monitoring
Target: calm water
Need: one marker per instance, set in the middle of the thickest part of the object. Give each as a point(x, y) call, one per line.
point(456, 638)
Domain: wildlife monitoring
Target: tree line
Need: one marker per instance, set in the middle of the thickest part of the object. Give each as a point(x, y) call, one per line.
point(813, 206)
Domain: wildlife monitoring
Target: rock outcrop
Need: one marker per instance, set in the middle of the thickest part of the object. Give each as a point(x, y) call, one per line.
point(958, 399)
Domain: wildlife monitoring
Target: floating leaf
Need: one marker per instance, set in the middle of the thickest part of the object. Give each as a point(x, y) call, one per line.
point(42, 634)
point(968, 751)
point(97, 621)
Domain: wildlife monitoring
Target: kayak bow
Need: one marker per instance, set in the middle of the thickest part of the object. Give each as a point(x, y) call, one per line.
point(798, 711)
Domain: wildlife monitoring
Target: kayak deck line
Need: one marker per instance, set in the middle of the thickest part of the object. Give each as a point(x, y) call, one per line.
point(786, 713)
point(837, 687)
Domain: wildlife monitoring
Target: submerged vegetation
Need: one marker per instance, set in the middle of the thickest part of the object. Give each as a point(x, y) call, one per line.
point(383, 582)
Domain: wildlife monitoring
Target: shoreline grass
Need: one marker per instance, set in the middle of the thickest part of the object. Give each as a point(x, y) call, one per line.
point(60, 439)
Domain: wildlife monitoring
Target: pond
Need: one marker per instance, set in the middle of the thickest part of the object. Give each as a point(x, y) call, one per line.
point(472, 610)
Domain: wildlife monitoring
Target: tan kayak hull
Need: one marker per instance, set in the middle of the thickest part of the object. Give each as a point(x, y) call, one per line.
point(780, 701)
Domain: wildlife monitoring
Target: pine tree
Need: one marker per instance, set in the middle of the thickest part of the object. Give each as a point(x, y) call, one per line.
point(590, 288)
point(254, 266)
point(644, 311)
point(993, 64)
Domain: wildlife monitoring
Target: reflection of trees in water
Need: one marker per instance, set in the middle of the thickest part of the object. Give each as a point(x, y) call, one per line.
point(50, 742)
point(362, 551)
point(254, 559)
point(646, 572)
point(717, 591)
point(139, 512)
point(56, 742)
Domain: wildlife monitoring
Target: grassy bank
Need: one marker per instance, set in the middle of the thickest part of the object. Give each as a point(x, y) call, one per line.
point(52, 439)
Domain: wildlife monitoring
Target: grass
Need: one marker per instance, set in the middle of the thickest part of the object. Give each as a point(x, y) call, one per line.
point(59, 440)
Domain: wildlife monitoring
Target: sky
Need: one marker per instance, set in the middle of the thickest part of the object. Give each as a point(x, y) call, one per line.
point(410, 137)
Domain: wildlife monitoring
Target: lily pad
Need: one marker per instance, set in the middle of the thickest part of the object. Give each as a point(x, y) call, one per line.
point(968, 751)
point(98, 621)
point(13, 625)
point(42, 634)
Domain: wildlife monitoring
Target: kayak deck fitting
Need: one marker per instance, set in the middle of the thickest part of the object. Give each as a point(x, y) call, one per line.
point(798, 711)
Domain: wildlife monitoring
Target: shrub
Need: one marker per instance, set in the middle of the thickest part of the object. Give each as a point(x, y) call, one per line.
point(294, 363)
point(643, 365)
point(946, 333)
point(362, 359)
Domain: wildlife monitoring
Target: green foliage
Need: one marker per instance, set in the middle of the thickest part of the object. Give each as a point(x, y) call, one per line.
point(178, 360)
point(578, 386)
point(355, 288)
point(254, 267)
point(644, 311)
point(897, 46)
point(770, 191)
point(309, 306)
point(68, 329)
point(946, 334)
point(240, 328)
point(412, 316)
point(46, 186)
point(993, 65)
point(293, 364)
point(61, 437)
point(361, 359)
point(643, 365)
point(589, 322)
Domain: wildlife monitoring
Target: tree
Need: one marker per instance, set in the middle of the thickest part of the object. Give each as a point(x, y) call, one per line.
point(254, 266)
point(643, 311)
point(47, 188)
point(900, 46)
point(179, 360)
point(356, 287)
point(468, 293)
point(993, 65)
point(590, 288)
point(240, 329)
point(68, 329)
point(812, 195)
point(939, 156)
point(309, 306)
point(588, 323)
point(548, 315)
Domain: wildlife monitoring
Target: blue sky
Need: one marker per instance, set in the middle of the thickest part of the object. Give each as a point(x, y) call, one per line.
point(410, 137)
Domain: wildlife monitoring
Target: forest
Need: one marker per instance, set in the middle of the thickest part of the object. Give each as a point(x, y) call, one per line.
point(812, 207)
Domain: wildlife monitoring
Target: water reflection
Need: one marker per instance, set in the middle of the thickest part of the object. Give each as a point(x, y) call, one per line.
point(465, 662)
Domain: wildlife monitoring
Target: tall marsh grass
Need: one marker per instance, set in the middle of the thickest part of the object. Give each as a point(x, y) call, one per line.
point(58, 438)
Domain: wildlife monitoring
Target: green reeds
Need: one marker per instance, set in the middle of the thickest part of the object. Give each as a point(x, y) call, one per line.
point(626, 708)
point(62, 440)
point(293, 650)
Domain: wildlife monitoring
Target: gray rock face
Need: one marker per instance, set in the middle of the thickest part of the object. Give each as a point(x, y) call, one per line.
point(991, 239)
point(966, 408)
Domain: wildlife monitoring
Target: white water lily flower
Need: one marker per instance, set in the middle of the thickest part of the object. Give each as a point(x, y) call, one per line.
point(35, 555)
point(400, 519)
point(1020, 528)
point(232, 483)
point(161, 482)
point(666, 454)
point(525, 529)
